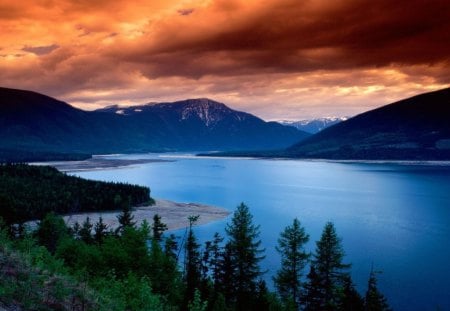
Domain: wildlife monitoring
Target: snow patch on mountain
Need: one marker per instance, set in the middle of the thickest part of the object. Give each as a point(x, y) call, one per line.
point(314, 126)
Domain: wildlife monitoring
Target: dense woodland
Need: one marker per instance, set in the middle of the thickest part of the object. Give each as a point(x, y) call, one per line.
point(91, 267)
point(30, 192)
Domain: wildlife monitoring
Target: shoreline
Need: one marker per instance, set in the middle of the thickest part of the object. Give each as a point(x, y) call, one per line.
point(97, 163)
point(173, 214)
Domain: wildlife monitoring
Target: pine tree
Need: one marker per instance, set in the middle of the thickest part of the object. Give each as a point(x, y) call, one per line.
point(351, 300)
point(75, 230)
point(86, 231)
point(375, 301)
point(225, 279)
point(192, 262)
point(171, 247)
point(158, 227)
point(312, 296)
point(330, 270)
point(100, 231)
point(215, 257)
point(125, 218)
point(293, 261)
point(246, 253)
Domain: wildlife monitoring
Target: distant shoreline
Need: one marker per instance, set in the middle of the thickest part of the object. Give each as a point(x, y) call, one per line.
point(97, 163)
point(173, 214)
point(103, 162)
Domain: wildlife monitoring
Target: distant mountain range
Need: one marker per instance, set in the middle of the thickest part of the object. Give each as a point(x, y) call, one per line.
point(314, 126)
point(34, 122)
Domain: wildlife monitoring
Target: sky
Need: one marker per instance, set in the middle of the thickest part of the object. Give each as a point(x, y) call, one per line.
point(277, 59)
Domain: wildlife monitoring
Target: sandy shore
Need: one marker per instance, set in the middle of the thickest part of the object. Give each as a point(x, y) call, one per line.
point(98, 163)
point(173, 214)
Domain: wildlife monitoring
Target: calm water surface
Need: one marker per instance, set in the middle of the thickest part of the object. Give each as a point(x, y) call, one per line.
point(396, 217)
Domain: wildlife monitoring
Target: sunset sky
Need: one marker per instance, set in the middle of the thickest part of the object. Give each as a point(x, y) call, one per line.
point(278, 59)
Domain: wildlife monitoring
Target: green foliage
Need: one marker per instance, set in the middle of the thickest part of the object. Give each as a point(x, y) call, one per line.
point(375, 300)
point(294, 259)
point(245, 252)
point(351, 300)
point(171, 247)
point(130, 293)
point(100, 231)
point(192, 262)
point(126, 217)
point(197, 304)
point(158, 227)
point(329, 272)
point(85, 231)
point(51, 230)
point(32, 279)
point(30, 192)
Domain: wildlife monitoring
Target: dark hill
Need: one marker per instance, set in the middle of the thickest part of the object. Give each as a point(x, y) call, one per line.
point(417, 128)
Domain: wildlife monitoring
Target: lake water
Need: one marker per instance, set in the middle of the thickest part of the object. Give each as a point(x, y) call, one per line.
point(394, 216)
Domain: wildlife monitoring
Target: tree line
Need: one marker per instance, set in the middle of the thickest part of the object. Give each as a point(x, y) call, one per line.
point(141, 268)
point(29, 192)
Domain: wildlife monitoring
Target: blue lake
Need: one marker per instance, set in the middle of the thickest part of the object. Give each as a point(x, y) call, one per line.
point(394, 216)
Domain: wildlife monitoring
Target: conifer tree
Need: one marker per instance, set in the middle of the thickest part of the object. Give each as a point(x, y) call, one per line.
point(351, 300)
point(225, 279)
point(375, 300)
point(312, 296)
point(216, 256)
point(158, 227)
point(294, 258)
point(171, 247)
point(75, 230)
point(246, 253)
point(86, 231)
point(192, 261)
point(100, 230)
point(125, 218)
point(331, 271)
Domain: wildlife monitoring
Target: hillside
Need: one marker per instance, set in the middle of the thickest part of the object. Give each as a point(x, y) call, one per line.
point(34, 122)
point(417, 128)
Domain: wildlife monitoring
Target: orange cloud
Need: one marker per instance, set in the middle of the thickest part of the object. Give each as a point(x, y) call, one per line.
point(278, 59)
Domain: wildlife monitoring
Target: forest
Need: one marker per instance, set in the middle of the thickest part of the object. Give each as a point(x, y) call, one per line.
point(29, 192)
point(91, 267)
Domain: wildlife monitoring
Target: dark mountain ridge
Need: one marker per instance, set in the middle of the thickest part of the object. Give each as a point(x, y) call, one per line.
point(32, 121)
point(415, 128)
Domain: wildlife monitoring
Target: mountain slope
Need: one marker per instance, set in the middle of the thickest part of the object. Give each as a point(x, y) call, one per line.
point(414, 128)
point(204, 124)
point(29, 120)
point(34, 122)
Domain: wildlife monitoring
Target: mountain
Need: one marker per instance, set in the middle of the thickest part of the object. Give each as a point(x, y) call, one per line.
point(31, 121)
point(204, 124)
point(314, 126)
point(417, 128)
